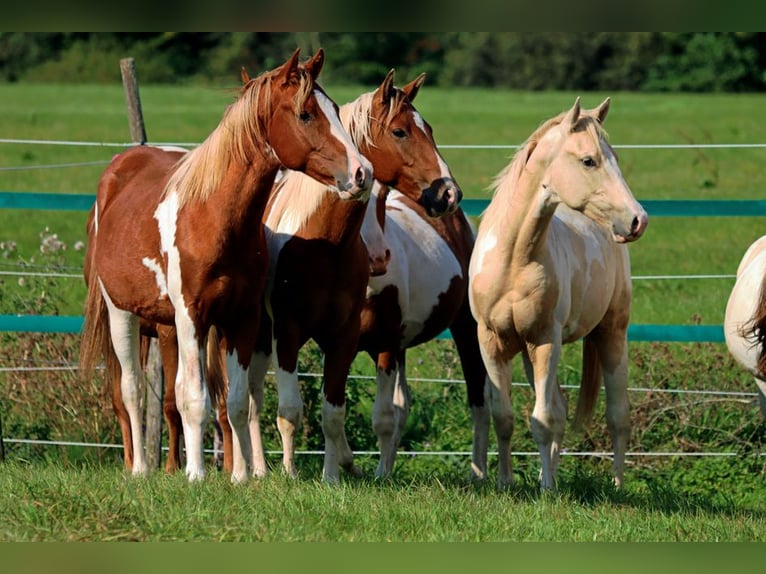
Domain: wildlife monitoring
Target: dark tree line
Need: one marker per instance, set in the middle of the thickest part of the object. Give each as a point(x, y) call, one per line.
point(650, 61)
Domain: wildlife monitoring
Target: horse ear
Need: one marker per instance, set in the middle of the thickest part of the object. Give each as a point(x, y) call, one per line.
point(244, 75)
point(386, 88)
point(602, 111)
point(414, 86)
point(290, 68)
point(315, 63)
point(571, 117)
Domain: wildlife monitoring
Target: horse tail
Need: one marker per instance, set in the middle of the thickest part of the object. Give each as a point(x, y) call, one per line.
point(589, 384)
point(215, 369)
point(96, 342)
point(756, 329)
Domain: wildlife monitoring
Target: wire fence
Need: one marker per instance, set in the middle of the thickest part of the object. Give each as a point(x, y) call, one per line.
point(76, 273)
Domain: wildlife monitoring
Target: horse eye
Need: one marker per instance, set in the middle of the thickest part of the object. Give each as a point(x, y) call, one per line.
point(304, 116)
point(588, 161)
point(399, 133)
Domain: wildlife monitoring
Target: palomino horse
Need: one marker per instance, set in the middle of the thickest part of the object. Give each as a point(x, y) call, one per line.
point(181, 242)
point(320, 266)
point(550, 267)
point(744, 324)
point(423, 292)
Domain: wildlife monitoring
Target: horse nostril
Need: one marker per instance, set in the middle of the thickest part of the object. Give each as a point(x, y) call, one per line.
point(361, 177)
point(635, 226)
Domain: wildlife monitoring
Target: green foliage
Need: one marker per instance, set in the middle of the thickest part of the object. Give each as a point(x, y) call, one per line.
point(583, 61)
point(706, 62)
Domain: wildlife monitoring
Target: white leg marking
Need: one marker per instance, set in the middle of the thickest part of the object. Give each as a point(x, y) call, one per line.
point(289, 416)
point(333, 420)
point(238, 406)
point(383, 421)
point(124, 330)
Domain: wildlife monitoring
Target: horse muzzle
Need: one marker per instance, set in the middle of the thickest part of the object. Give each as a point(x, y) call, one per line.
point(442, 197)
point(636, 229)
point(360, 184)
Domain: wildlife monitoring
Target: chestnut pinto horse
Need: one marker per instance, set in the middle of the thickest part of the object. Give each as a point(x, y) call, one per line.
point(320, 266)
point(744, 324)
point(550, 267)
point(178, 240)
point(423, 292)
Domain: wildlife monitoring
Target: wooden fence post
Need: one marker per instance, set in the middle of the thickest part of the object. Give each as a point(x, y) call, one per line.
point(135, 115)
point(154, 394)
point(154, 383)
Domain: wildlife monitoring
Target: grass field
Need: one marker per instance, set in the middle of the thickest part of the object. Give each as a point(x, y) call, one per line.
point(667, 498)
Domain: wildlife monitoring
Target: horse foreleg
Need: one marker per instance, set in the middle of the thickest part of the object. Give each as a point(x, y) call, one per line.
point(337, 362)
point(549, 413)
point(124, 331)
point(383, 421)
point(256, 378)
point(498, 365)
point(290, 407)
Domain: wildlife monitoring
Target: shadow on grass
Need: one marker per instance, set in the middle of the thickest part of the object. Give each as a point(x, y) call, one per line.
point(655, 490)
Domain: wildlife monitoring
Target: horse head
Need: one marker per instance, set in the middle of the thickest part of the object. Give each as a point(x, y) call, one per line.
point(401, 147)
point(582, 171)
point(305, 131)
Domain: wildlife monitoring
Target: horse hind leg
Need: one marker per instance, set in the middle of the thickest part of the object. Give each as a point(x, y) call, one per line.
point(498, 366)
point(613, 358)
point(168, 345)
point(124, 331)
point(123, 418)
point(549, 413)
point(402, 401)
point(477, 382)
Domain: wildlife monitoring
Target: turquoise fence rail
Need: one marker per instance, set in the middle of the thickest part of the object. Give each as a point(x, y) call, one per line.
point(472, 207)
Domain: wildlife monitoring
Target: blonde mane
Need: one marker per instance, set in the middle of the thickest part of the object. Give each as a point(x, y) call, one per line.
point(198, 174)
point(297, 195)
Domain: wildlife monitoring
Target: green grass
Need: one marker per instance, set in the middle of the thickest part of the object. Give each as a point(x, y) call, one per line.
point(61, 503)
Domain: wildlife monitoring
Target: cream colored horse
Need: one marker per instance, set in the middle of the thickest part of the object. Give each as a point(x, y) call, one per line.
point(744, 324)
point(550, 267)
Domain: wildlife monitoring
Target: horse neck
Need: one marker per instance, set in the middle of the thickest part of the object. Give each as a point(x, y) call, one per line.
point(302, 207)
point(245, 192)
point(523, 215)
point(337, 220)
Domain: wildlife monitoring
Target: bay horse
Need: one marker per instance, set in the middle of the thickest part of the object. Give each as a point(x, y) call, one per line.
point(744, 324)
point(320, 266)
point(550, 266)
point(423, 292)
point(179, 241)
